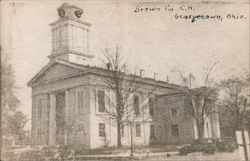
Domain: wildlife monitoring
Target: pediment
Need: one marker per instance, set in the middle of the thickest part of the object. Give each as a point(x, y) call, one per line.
point(57, 71)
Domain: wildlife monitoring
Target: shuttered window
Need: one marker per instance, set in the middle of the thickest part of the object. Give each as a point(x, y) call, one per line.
point(173, 112)
point(151, 106)
point(101, 101)
point(102, 132)
point(136, 105)
point(137, 130)
point(175, 130)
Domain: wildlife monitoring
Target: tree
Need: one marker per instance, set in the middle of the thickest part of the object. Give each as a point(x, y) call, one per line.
point(124, 107)
point(13, 120)
point(14, 124)
point(201, 101)
point(133, 112)
point(235, 105)
point(9, 100)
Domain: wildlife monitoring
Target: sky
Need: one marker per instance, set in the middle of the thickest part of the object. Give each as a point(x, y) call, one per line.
point(152, 40)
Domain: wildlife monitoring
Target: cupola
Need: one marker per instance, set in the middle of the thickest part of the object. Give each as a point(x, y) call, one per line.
point(70, 35)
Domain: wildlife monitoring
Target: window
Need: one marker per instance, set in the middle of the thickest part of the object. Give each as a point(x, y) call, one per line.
point(102, 130)
point(151, 106)
point(101, 101)
point(79, 37)
point(175, 130)
point(152, 131)
point(59, 38)
point(173, 112)
point(80, 101)
point(137, 130)
point(40, 108)
point(136, 105)
point(122, 130)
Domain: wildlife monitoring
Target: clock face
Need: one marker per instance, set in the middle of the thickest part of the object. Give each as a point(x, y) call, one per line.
point(78, 14)
point(61, 13)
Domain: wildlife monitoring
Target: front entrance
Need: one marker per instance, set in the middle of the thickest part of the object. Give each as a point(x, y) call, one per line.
point(60, 117)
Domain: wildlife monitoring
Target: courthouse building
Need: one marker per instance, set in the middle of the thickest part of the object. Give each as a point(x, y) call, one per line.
point(69, 85)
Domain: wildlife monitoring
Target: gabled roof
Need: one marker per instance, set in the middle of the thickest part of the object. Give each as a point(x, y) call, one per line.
point(45, 69)
point(97, 71)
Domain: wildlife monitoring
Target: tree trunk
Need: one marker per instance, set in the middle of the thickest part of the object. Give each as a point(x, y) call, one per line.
point(1, 132)
point(131, 140)
point(200, 129)
point(249, 125)
point(119, 144)
point(119, 116)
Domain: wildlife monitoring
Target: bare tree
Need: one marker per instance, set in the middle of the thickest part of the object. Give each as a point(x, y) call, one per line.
point(201, 101)
point(235, 105)
point(135, 112)
point(124, 103)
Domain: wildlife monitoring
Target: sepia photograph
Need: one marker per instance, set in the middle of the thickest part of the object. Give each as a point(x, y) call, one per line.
point(151, 80)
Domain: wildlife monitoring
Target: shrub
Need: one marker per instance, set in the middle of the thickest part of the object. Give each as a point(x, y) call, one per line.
point(220, 146)
point(208, 148)
point(48, 151)
point(197, 147)
point(8, 155)
point(231, 145)
point(185, 150)
point(31, 155)
point(230, 148)
point(225, 145)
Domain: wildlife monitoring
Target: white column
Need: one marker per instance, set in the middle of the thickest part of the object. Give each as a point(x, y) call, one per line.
point(195, 130)
point(34, 122)
point(52, 119)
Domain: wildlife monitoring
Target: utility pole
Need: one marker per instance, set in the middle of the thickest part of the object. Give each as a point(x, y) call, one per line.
point(1, 132)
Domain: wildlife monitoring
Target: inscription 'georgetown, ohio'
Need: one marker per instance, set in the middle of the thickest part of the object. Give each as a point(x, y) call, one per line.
point(192, 17)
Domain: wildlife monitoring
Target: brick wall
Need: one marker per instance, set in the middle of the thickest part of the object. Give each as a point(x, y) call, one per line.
point(169, 113)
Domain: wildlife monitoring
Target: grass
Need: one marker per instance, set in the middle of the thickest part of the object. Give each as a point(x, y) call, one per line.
point(126, 149)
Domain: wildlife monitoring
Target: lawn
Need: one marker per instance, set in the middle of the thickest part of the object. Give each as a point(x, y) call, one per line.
point(126, 149)
point(49, 151)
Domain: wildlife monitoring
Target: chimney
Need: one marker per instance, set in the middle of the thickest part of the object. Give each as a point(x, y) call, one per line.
point(155, 76)
point(142, 73)
point(167, 79)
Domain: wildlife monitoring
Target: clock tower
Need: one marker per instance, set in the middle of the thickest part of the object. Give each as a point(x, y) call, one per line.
point(70, 35)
